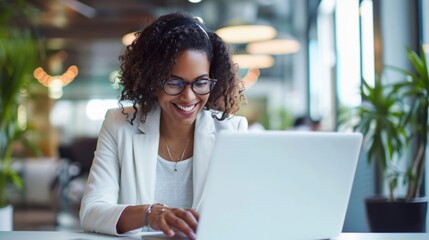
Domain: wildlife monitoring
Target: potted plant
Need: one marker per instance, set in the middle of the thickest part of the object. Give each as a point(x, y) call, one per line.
point(416, 87)
point(393, 118)
point(18, 56)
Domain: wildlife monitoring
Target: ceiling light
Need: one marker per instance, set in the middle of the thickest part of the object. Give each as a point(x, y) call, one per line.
point(251, 77)
point(55, 84)
point(128, 38)
point(253, 61)
point(246, 33)
point(275, 47)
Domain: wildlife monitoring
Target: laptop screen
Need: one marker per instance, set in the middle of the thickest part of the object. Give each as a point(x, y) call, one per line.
point(278, 184)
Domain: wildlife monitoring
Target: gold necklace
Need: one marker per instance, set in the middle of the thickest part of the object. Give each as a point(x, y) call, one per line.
point(181, 155)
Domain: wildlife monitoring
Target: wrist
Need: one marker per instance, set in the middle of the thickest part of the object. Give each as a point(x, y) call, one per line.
point(149, 210)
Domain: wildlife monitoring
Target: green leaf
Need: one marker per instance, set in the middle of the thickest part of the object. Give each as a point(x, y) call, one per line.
point(16, 179)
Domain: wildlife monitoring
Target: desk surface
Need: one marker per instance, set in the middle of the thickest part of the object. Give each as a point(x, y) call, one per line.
point(39, 235)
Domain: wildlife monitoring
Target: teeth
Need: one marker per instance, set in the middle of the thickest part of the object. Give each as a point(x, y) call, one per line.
point(186, 109)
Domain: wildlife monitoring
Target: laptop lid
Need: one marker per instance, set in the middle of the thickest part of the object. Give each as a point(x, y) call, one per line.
point(278, 185)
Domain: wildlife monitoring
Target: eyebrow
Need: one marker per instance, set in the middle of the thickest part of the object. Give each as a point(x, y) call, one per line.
point(201, 76)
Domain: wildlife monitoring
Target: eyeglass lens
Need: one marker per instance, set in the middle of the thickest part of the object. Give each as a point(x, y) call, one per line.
point(200, 86)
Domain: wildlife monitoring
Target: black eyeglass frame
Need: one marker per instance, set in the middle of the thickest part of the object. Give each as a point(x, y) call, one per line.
point(211, 81)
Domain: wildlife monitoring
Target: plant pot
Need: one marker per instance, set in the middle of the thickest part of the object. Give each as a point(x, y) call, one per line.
point(396, 216)
point(6, 216)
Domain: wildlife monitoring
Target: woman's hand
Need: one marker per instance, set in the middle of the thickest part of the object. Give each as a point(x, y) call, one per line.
point(172, 220)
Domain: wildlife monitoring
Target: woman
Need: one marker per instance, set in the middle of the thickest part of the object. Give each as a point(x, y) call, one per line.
point(151, 161)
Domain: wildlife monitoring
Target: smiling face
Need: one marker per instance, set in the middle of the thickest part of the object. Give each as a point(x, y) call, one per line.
point(182, 109)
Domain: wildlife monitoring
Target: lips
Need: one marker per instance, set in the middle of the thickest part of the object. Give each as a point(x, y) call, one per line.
point(186, 108)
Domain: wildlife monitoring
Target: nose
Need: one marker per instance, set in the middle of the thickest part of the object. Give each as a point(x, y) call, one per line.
point(187, 93)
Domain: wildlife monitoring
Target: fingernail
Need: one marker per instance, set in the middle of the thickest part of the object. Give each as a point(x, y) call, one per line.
point(170, 233)
point(193, 236)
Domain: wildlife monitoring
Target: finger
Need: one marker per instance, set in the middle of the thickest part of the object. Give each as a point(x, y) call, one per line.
point(194, 213)
point(180, 225)
point(189, 218)
point(165, 228)
point(161, 224)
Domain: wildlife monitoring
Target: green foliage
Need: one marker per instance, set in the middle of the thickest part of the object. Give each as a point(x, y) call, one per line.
point(415, 89)
point(391, 117)
point(18, 58)
point(381, 119)
point(284, 119)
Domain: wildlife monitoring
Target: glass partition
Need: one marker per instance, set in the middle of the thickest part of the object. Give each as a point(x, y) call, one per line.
point(348, 52)
point(425, 40)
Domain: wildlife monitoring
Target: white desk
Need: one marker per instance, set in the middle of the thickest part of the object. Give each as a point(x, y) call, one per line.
point(44, 235)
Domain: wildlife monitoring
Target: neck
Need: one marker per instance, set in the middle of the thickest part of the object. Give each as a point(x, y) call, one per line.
point(176, 132)
point(176, 140)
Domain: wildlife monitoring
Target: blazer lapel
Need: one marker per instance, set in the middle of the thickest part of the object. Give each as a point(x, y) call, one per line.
point(203, 146)
point(145, 149)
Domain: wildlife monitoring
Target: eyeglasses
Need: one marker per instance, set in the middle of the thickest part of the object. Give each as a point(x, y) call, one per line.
point(175, 87)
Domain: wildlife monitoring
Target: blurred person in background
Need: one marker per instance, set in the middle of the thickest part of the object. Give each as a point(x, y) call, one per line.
point(304, 123)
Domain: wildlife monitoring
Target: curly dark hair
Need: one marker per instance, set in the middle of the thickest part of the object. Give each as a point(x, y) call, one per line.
point(149, 60)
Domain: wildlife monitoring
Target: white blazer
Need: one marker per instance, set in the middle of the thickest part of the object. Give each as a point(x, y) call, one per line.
point(123, 172)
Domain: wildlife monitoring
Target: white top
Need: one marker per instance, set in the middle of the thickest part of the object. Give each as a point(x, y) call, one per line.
point(174, 188)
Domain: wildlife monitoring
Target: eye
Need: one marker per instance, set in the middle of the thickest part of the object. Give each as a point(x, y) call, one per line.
point(174, 83)
point(201, 83)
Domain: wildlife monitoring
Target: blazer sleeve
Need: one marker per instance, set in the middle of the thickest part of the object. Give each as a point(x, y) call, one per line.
point(243, 125)
point(100, 210)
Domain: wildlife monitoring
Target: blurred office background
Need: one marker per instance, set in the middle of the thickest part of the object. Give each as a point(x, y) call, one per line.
point(326, 48)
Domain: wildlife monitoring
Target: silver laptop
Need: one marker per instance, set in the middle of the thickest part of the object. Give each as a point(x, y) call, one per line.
point(278, 185)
